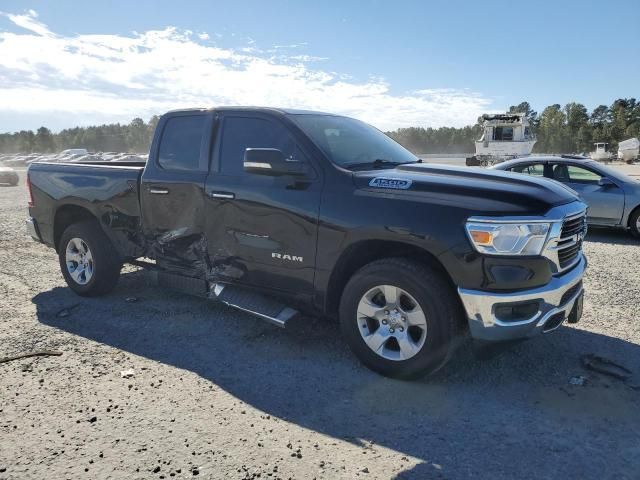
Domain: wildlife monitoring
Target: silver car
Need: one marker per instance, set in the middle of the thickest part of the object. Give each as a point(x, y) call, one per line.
point(8, 175)
point(613, 197)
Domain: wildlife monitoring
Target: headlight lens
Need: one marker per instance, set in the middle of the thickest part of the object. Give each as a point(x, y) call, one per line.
point(508, 238)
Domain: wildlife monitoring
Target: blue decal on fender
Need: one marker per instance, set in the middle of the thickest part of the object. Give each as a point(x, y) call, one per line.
point(393, 183)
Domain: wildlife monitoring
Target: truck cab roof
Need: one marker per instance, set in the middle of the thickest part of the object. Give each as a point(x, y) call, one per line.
point(253, 109)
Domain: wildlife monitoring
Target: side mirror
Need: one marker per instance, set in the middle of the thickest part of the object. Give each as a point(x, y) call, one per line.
point(605, 182)
point(272, 162)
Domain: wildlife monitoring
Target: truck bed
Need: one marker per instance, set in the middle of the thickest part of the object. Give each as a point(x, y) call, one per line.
point(106, 191)
point(140, 164)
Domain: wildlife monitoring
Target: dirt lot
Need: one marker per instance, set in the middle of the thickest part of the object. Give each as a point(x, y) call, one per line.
point(220, 394)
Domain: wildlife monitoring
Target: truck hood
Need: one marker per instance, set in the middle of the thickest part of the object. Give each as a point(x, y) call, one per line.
point(482, 190)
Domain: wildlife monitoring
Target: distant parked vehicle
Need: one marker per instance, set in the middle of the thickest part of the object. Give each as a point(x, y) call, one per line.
point(601, 152)
point(17, 161)
point(74, 151)
point(129, 157)
point(74, 157)
point(8, 175)
point(108, 156)
point(613, 197)
point(629, 150)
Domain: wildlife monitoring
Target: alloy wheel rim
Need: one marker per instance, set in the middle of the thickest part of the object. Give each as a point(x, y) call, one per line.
point(391, 322)
point(79, 261)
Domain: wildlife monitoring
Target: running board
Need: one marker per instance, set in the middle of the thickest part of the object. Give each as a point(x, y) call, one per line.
point(248, 301)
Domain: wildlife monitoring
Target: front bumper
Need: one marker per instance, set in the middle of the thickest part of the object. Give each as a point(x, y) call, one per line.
point(32, 229)
point(555, 300)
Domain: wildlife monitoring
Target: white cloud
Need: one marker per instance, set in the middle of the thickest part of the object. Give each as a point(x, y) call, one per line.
point(28, 22)
point(291, 45)
point(307, 58)
point(120, 76)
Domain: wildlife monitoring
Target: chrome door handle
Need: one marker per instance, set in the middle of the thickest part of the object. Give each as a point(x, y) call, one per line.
point(158, 191)
point(225, 195)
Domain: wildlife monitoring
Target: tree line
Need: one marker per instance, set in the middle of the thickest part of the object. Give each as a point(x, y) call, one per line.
point(134, 137)
point(568, 129)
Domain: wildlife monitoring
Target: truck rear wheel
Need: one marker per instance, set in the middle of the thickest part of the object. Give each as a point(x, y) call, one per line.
point(400, 318)
point(88, 261)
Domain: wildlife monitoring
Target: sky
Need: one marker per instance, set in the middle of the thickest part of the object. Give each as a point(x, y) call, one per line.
point(392, 64)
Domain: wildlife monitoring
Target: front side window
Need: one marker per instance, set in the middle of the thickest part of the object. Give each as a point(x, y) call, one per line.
point(240, 133)
point(180, 143)
point(574, 174)
point(535, 169)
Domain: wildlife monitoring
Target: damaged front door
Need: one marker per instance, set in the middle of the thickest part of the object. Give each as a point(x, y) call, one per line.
point(261, 229)
point(172, 193)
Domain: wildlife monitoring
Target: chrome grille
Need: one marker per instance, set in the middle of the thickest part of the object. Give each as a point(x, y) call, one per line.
point(570, 241)
point(573, 226)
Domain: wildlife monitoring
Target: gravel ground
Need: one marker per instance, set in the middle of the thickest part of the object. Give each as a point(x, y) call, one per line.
point(219, 394)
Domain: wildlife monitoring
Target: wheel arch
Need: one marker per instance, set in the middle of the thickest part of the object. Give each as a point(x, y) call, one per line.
point(632, 213)
point(67, 215)
point(364, 252)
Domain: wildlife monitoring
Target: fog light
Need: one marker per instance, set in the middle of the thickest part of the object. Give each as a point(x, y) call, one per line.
point(515, 312)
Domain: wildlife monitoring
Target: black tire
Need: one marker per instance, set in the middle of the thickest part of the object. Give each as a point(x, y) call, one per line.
point(634, 225)
point(106, 262)
point(436, 298)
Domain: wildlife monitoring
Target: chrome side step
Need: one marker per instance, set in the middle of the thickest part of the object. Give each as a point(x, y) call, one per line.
point(262, 306)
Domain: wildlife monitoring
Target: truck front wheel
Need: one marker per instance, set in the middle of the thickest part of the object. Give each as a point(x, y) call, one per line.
point(88, 261)
point(400, 318)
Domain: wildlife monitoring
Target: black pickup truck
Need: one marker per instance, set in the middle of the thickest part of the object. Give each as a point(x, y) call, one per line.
point(277, 212)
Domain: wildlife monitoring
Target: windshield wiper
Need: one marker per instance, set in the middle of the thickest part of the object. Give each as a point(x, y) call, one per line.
point(378, 163)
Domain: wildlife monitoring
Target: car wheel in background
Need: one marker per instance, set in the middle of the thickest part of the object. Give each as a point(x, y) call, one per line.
point(634, 222)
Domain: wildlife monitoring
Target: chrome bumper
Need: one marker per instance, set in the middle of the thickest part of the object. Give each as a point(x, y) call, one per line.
point(32, 229)
point(480, 307)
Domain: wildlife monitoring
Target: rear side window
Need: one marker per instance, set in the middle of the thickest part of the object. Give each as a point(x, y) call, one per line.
point(180, 143)
point(241, 133)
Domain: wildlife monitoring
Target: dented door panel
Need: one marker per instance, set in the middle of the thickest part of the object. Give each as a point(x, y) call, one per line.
point(172, 203)
point(261, 230)
point(266, 234)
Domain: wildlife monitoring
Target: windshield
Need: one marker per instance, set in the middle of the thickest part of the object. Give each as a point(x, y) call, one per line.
point(351, 143)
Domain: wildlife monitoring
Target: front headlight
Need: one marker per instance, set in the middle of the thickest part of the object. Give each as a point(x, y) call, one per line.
point(495, 238)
